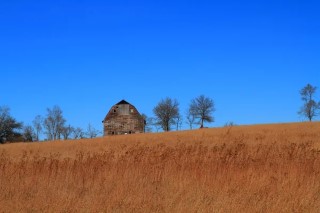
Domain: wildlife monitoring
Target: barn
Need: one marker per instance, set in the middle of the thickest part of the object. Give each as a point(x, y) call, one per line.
point(123, 118)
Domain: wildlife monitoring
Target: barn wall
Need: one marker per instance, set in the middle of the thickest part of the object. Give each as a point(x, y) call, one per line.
point(123, 119)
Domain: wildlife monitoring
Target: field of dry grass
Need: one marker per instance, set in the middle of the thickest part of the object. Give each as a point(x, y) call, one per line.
point(262, 168)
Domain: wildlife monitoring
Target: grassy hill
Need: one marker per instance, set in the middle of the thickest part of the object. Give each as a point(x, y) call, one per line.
point(261, 168)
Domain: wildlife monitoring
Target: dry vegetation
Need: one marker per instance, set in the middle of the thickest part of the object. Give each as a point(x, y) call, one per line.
point(264, 168)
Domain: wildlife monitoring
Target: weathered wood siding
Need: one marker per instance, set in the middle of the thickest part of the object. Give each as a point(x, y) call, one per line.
point(123, 119)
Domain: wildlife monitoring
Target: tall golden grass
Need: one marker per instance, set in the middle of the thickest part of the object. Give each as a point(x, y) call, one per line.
point(263, 168)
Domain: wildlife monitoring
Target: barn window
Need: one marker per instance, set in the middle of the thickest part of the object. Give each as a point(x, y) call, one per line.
point(131, 110)
point(114, 111)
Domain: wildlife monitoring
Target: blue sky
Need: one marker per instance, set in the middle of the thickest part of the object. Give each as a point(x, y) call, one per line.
point(250, 57)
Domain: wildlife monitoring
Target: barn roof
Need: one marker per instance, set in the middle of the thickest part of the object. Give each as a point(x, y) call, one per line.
point(122, 102)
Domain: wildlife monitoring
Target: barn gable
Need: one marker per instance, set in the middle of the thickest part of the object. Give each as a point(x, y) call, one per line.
point(123, 118)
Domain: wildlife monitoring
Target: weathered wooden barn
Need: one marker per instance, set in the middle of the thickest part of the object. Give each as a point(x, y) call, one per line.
point(123, 118)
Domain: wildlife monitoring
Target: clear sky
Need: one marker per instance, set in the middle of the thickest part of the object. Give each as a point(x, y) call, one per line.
point(251, 57)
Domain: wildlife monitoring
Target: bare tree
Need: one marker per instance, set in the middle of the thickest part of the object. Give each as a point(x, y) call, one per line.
point(191, 119)
point(148, 122)
point(78, 133)
point(166, 111)
point(202, 108)
point(91, 131)
point(310, 108)
point(54, 123)
point(229, 124)
point(28, 134)
point(157, 126)
point(37, 125)
point(67, 131)
point(154, 124)
point(179, 122)
point(145, 117)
